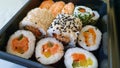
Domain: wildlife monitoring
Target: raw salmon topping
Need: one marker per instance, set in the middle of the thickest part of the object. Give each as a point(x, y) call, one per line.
point(82, 10)
point(20, 44)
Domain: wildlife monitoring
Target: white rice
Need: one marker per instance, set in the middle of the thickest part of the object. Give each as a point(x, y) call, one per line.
point(96, 17)
point(68, 60)
point(81, 38)
point(31, 43)
point(53, 58)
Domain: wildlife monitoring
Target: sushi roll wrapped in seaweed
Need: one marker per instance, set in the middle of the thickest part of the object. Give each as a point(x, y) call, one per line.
point(49, 51)
point(79, 58)
point(21, 43)
point(94, 18)
point(86, 14)
point(37, 21)
point(90, 38)
point(65, 28)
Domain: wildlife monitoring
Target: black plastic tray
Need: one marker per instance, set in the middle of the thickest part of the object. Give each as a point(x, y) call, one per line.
point(13, 25)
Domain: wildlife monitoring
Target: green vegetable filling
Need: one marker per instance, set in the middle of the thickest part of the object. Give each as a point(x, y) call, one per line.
point(82, 63)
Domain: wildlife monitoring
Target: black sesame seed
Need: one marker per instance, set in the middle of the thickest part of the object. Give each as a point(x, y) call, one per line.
point(61, 27)
point(35, 22)
point(74, 30)
point(53, 30)
point(62, 36)
point(69, 31)
point(57, 28)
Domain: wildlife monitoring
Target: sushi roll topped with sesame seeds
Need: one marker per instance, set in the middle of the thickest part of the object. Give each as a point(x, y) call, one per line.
point(65, 28)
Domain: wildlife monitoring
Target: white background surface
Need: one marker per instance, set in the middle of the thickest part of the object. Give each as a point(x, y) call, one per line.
point(8, 8)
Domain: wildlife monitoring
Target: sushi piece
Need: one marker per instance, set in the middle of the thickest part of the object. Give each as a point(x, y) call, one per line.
point(56, 8)
point(94, 18)
point(46, 4)
point(21, 43)
point(84, 13)
point(37, 21)
point(65, 28)
point(95, 15)
point(89, 38)
point(68, 8)
point(49, 51)
point(79, 58)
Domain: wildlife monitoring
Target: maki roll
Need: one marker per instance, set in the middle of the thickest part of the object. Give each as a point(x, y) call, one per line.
point(84, 13)
point(37, 21)
point(65, 28)
point(89, 38)
point(79, 58)
point(95, 17)
point(49, 51)
point(22, 44)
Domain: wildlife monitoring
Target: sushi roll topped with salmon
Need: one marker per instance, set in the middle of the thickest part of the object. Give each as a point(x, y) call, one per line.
point(49, 51)
point(79, 58)
point(22, 44)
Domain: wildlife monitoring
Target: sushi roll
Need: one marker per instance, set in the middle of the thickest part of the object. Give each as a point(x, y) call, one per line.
point(89, 38)
point(49, 51)
point(79, 58)
point(37, 21)
point(95, 17)
point(65, 28)
point(21, 43)
point(84, 13)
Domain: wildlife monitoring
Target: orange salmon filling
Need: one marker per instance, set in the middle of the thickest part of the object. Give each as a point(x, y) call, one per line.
point(82, 10)
point(90, 34)
point(78, 57)
point(80, 60)
point(20, 45)
point(50, 49)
